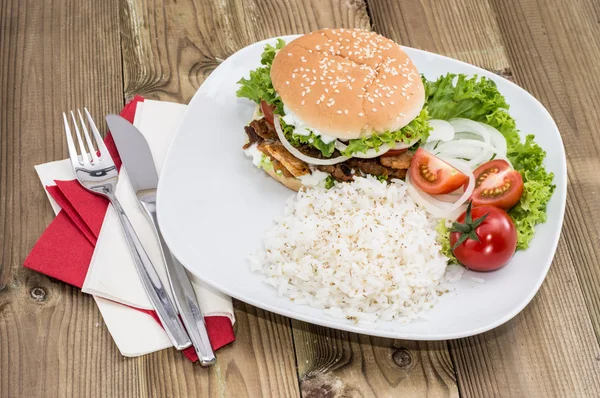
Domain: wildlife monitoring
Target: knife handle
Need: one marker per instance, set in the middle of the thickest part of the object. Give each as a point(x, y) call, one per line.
point(151, 281)
point(183, 291)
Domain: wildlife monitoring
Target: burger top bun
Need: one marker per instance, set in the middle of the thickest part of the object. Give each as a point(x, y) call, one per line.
point(348, 83)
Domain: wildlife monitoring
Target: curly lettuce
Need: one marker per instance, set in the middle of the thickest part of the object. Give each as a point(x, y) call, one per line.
point(259, 86)
point(444, 240)
point(418, 128)
point(311, 139)
point(478, 98)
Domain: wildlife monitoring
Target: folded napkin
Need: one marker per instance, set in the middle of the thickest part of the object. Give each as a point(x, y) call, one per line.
point(81, 228)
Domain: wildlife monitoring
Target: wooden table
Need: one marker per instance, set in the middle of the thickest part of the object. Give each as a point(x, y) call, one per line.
point(60, 54)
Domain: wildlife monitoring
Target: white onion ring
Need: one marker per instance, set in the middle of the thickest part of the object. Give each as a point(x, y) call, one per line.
point(475, 150)
point(462, 125)
point(372, 153)
point(439, 208)
point(442, 131)
point(300, 155)
point(497, 139)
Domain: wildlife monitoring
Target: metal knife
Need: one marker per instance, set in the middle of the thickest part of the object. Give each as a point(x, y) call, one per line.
point(137, 158)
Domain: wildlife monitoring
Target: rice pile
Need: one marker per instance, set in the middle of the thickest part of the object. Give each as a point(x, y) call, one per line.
point(362, 251)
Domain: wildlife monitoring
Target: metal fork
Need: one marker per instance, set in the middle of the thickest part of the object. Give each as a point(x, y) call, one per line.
point(97, 173)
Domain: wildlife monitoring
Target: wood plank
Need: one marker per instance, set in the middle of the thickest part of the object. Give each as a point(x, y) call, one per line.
point(562, 324)
point(346, 364)
point(171, 67)
point(169, 49)
point(339, 364)
point(160, 79)
point(462, 29)
point(54, 56)
point(518, 358)
point(260, 363)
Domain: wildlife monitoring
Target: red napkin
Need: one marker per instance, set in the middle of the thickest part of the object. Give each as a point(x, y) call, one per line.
point(65, 249)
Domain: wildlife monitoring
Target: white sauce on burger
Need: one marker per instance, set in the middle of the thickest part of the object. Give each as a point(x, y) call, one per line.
point(302, 128)
point(314, 179)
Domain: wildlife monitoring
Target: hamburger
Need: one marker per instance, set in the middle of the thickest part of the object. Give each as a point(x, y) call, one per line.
point(332, 105)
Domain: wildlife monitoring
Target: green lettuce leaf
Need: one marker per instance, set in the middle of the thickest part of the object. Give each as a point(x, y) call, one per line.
point(443, 239)
point(472, 98)
point(259, 86)
point(417, 128)
point(477, 98)
point(312, 139)
point(329, 182)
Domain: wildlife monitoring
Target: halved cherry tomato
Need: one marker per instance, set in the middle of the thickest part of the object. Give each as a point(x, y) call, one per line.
point(434, 176)
point(483, 238)
point(496, 184)
point(267, 111)
point(394, 152)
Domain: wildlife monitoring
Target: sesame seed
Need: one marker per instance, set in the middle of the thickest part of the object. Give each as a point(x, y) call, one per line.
point(339, 112)
point(289, 54)
point(374, 109)
point(382, 104)
point(346, 111)
point(361, 114)
point(287, 82)
point(302, 103)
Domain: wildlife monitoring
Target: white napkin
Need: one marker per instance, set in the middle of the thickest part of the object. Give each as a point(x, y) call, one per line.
point(112, 274)
point(134, 333)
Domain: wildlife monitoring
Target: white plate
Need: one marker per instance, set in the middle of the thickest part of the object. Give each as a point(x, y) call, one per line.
point(213, 206)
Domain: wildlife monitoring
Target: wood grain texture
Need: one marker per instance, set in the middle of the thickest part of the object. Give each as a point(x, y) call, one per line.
point(462, 29)
point(333, 363)
point(168, 51)
point(169, 48)
point(53, 57)
point(260, 363)
point(511, 38)
point(553, 48)
point(58, 55)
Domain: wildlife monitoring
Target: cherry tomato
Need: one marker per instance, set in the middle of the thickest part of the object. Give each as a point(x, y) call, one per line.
point(484, 238)
point(496, 184)
point(394, 152)
point(267, 111)
point(434, 176)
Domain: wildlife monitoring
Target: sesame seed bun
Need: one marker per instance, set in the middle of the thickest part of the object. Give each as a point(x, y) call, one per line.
point(348, 83)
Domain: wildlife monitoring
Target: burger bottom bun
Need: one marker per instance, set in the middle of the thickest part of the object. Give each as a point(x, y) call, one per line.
point(290, 182)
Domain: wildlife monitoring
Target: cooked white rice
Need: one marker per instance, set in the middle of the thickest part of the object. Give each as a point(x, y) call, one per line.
point(362, 251)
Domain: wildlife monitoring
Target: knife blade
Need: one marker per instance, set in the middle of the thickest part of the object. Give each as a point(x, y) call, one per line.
point(137, 158)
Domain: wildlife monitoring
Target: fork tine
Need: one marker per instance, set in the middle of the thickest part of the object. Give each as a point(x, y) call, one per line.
point(88, 139)
point(70, 144)
point(84, 157)
point(103, 150)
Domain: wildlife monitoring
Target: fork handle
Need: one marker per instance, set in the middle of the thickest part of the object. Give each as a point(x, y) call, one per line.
point(152, 284)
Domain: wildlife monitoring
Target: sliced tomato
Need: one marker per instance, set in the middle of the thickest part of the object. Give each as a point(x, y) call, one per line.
point(434, 176)
point(267, 111)
point(496, 184)
point(394, 152)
